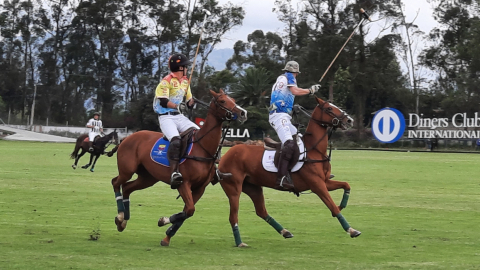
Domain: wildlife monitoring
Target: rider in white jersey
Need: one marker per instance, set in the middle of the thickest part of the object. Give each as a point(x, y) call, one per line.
point(281, 103)
point(96, 128)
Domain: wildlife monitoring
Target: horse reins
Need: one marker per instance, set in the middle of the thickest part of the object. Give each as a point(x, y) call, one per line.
point(336, 121)
point(224, 118)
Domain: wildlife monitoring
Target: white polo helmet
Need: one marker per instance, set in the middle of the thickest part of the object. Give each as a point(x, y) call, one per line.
point(292, 66)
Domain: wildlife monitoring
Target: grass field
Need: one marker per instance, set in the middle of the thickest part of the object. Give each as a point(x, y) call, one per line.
point(415, 211)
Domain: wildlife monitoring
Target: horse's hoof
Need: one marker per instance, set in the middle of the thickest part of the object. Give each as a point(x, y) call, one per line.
point(165, 242)
point(85, 167)
point(242, 245)
point(91, 170)
point(354, 233)
point(285, 233)
point(74, 166)
point(121, 225)
point(163, 221)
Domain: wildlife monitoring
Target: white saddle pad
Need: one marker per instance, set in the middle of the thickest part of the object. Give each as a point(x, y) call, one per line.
point(269, 156)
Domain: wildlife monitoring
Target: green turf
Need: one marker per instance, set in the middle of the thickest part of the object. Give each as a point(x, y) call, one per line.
point(415, 211)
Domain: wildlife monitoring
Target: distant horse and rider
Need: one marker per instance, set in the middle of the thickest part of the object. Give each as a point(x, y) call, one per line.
point(101, 143)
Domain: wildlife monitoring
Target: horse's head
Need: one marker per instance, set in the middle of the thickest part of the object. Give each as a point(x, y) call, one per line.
point(225, 108)
point(114, 135)
point(328, 114)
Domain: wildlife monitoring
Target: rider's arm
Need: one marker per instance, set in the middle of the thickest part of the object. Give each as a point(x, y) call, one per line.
point(166, 103)
point(89, 124)
point(298, 91)
point(189, 97)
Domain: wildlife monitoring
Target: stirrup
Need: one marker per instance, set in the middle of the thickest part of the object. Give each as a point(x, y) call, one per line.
point(90, 149)
point(284, 185)
point(176, 179)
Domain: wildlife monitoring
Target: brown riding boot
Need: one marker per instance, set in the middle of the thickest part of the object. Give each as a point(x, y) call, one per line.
point(173, 154)
point(283, 179)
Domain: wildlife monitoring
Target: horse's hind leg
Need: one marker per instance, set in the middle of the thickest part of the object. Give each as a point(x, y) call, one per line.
point(256, 194)
point(143, 181)
point(78, 158)
point(172, 230)
point(117, 182)
point(321, 190)
point(334, 185)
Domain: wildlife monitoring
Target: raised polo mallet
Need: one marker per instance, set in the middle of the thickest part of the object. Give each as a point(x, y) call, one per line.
point(207, 13)
point(365, 17)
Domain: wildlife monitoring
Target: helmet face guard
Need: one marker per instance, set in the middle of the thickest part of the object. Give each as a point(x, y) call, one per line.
point(292, 66)
point(176, 61)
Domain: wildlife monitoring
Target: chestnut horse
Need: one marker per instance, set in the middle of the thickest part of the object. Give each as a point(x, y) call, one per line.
point(100, 145)
point(244, 162)
point(133, 156)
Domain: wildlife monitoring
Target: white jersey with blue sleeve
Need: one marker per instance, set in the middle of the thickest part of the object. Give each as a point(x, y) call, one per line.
point(282, 98)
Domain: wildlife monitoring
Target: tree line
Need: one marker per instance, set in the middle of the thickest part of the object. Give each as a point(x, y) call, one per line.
point(109, 55)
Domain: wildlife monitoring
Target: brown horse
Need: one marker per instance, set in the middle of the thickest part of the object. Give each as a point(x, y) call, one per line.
point(244, 162)
point(100, 144)
point(133, 156)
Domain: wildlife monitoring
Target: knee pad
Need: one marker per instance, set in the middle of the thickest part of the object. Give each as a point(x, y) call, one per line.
point(174, 148)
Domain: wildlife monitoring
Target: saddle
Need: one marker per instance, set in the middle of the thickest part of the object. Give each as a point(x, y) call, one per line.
point(270, 144)
point(95, 139)
point(186, 139)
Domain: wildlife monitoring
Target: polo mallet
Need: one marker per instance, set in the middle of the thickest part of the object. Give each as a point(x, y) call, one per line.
point(207, 13)
point(365, 17)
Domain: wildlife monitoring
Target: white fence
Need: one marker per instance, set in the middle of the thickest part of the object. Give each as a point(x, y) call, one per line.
point(122, 132)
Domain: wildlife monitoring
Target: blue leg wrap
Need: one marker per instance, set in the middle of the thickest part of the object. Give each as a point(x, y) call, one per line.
point(126, 204)
point(270, 220)
point(172, 230)
point(346, 195)
point(236, 234)
point(119, 198)
point(343, 221)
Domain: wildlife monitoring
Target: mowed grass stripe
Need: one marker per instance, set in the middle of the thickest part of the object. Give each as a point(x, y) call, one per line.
point(415, 211)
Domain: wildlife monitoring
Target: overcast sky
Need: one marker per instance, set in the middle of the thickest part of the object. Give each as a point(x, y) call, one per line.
point(259, 15)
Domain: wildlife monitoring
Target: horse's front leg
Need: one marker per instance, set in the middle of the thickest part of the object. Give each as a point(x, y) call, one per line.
point(89, 163)
point(192, 198)
point(319, 187)
point(94, 162)
point(334, 185)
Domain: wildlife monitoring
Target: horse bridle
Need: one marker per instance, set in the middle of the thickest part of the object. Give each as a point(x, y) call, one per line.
point(337, 120)
point(229, 114)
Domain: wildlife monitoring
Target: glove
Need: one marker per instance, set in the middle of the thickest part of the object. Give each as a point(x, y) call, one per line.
point(182, 107)
point(314, 88)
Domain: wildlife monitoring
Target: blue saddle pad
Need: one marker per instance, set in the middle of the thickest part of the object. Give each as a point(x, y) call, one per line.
point(159, 152)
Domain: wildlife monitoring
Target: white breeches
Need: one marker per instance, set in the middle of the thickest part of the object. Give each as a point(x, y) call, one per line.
point(173, 125)
point(92, 135)
point(282, 124)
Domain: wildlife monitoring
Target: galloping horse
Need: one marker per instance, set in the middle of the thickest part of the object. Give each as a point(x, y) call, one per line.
point(133, 156)
point(244, 162)
point(98, 149)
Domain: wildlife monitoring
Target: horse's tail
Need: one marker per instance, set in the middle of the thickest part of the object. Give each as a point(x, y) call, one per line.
point(73, 155)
